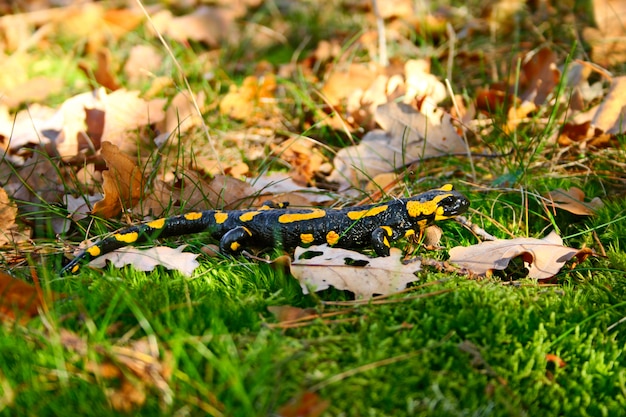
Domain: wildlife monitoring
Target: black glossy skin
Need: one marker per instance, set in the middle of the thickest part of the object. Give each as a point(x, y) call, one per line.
point(378, 225)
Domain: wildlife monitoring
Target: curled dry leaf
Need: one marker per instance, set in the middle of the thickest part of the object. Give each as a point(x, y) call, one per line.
point(102, 75)
point(146, 260)
point(123, 183)
point(254, 99)
point(573, 200)
point(320, 267)
point(598, 125)
point(545, 256)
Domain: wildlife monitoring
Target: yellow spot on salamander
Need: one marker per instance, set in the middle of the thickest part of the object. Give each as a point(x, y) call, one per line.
point(387, 229)
point(332, 238)
point(439, 214)
point(220, 217)
point(75, 268)
point(234, 246)
point(306, 238)
point(386, 242)
point(193, 215)
point(126, 237)
point(247, 231)
point(297, 217)
point(156, 224)
point(447, 187)
point(358, 214)
point(248, 215)
point(417, 209)
point(409, 232)
point(94, 251)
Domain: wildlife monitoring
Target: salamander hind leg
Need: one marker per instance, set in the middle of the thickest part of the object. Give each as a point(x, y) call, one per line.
point(235, 240)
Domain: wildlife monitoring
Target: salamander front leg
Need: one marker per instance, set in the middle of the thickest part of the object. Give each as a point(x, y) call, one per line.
point(235, 240)
point(381, 238)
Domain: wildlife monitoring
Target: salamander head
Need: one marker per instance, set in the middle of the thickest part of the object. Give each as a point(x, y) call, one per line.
point(439, 204)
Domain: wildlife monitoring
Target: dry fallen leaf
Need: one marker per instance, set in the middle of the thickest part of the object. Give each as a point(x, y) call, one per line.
point(320, 267)
point(146, 260)
point(20, 132)
point(137, 368)
point(19, 300)
point(211, 25)
point(35, 181)
point(142, 62)
point(609, 39)
point(307, 404)
point(344, 81)
point(611, 113)
point(181, 114)
point(102, 75)
point(33, 90)
point(303, 157)
point(8, 212)
point(573, 200)
point(539, 76)
point(254, 99)
point(408, 136)
point(126, 113)
point(222, 191)
point(289, 313)
point(117, 118)
point(123, 183)
point(544, 257)
point(423, 86)
point(282, 188)
point(599, 125)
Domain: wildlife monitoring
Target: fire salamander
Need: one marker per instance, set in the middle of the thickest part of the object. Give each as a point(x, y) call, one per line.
point(375, 225)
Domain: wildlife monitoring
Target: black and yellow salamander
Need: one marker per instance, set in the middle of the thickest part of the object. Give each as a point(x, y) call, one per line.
point(375, 225)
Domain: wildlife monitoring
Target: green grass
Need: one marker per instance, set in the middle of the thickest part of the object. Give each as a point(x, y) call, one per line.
point(479, 349)
point(464, 348)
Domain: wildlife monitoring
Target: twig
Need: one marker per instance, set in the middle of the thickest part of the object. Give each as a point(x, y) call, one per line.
point(478, 231)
